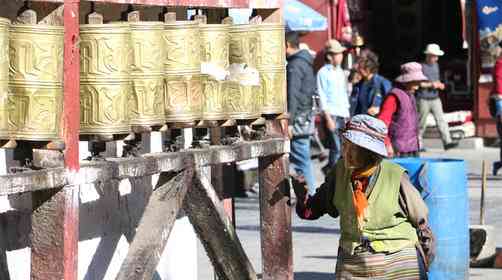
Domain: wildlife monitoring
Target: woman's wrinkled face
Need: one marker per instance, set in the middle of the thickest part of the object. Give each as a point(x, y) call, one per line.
point(351, 154)
point(412, 87)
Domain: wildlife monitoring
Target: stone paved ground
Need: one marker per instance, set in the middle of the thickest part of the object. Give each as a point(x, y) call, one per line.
point(316, 242)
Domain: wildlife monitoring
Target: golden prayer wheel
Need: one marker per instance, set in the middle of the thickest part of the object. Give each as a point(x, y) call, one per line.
point(36, 81)
point(243, 44)
point(146, 99)
point(182, 76)
point(271, 65)
point(243, 101)
point(183, 97)
point(4, 77)
point(182, 40)
point(105, 78)
point(215, 43)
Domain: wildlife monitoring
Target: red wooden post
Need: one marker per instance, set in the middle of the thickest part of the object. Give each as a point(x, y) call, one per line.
point(275, 211)
point(55, 220)
point(71, 109)
point(71, 115)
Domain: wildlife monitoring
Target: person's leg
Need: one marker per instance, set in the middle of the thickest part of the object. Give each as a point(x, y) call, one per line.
point(498, 164)
point(437, 112)
point(423, 111)
point(499, 130)
point(301, 162)
point(336, 147)
point(333, 139)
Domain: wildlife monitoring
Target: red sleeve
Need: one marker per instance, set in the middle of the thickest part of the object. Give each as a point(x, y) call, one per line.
point(497, 76)
point(389, 107)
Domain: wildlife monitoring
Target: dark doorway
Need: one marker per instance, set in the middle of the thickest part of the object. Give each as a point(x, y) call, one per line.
point(401, 29)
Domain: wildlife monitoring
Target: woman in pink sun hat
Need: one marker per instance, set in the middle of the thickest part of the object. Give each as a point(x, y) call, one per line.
point(399, 112)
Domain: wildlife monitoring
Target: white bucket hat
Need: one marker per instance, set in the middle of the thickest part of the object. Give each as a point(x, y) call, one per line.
point(434, 49)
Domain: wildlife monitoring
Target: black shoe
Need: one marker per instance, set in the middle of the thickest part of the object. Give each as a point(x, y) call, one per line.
point(450, 146)
point(495, 167)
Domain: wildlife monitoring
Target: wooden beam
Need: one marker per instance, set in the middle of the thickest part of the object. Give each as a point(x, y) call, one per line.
point(216, 232)
point(149, 164)
point(186, 3)
point(275, 212)
point(54, 234)
point(155, 226)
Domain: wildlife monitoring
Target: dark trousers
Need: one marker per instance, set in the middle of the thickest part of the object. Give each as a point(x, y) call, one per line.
point(335, 141)
point(498, 164)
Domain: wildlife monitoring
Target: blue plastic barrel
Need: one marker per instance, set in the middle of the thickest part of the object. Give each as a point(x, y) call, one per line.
point(443, 185)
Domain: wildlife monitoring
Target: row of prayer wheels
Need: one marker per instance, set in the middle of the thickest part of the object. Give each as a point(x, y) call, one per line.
point(140, 74)
point(150, 73)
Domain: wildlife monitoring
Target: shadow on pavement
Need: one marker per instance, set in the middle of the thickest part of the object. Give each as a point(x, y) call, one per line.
point(331, 257)
point(314, 276)
point(300, 229)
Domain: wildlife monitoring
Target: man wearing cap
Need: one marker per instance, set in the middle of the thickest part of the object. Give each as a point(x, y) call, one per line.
point(428, 96)
point(332, 89)
point(383, 219)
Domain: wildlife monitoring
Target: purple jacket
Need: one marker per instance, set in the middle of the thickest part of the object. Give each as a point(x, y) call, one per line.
point(403, 129)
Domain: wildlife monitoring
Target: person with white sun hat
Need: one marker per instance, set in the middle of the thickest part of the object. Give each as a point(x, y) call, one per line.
point(428, 96)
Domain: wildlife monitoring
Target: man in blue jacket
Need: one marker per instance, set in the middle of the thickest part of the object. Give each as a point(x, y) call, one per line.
point(301, 86)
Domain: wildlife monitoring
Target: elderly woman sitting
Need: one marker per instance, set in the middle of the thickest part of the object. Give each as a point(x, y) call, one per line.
point(383, 219)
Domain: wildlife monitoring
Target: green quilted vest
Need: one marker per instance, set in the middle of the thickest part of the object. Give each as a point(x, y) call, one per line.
point(385, 226)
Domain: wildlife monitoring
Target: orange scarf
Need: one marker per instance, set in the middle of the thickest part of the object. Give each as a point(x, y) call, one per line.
point(360, 180)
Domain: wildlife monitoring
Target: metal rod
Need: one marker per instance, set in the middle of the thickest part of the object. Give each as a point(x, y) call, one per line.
point(483, 190)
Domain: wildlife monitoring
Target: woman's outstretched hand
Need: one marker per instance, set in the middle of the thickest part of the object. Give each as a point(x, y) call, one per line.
point(299, 186)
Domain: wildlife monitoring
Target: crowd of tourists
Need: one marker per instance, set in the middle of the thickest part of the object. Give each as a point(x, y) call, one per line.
point(349, 84)
point(367, 118)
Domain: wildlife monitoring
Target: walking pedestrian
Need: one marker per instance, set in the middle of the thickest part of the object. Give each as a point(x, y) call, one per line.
point(354, 52)
point(399, 112)
point(383, 219)
point(367, 95)
point(428, 96)
point(301, 86)
point(332, 89)
point(496, 104)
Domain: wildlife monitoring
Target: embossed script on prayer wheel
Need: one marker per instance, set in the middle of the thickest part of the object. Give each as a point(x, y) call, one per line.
point(182, 72)
point(213, 99)
point(242, 101)
point(271, 48)
point(146, 99)
point(182, 40)
point(105, 78)
point(243, 44)
point(183, 97)
point(271, 65)
point(36, 81)
point(273, 86)
point(215, 43)
point(4, 77)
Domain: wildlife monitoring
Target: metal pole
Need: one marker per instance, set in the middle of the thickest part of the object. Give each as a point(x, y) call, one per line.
point(483, 190)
